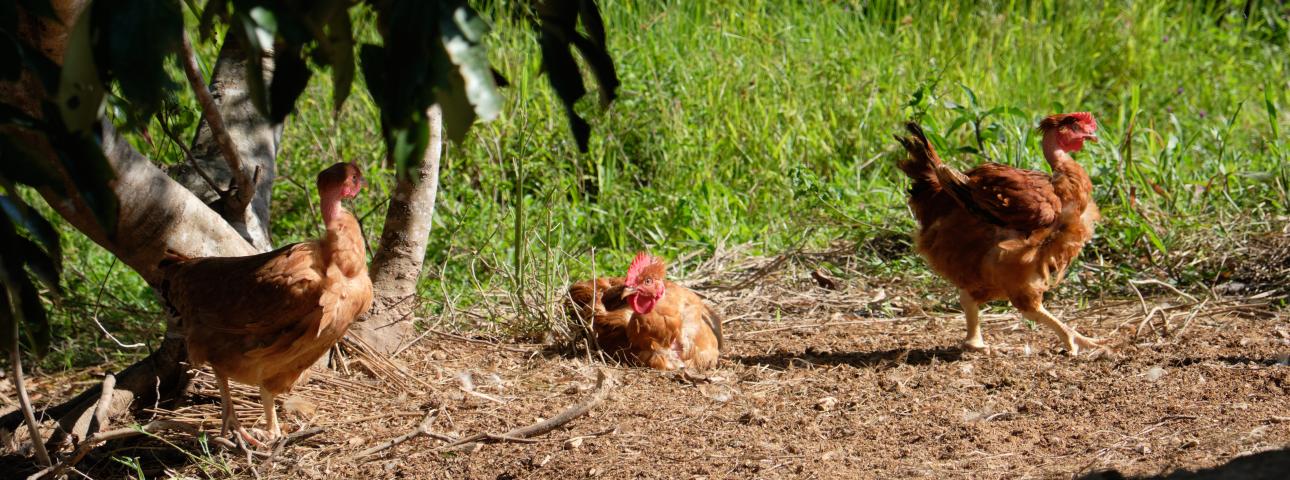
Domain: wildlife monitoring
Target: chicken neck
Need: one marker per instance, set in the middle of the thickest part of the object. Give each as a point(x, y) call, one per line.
point(1069, 177)
point(343, 242)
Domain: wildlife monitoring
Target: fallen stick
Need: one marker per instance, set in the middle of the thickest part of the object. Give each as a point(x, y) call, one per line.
point(86, 446)
point(423, 428)
point(604, 383)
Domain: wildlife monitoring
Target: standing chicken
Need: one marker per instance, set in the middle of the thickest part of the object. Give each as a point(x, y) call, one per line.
point(999, 232)
point(659, 323)
point(264, 319)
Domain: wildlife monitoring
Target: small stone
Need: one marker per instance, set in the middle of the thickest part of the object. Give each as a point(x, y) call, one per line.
point(357, 441)
point(825, 404)
point(754, 417)
point(1155, 373)
point(573, 443)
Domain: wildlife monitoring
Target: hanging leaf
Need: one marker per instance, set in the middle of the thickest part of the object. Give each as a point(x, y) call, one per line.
point(135, 41)
point(557, 25)
point(290, 77)
point(82, 156)
point(20, 214)
point(80, 91)
point(341, 58)
point(462, 32)
point(41, 265)
point(255, 29)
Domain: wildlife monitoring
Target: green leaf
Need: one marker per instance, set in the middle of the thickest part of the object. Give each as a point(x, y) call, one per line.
point(290, 77)
point(462, 32)
point(33, 316)
point(80, 91)
point(42, 265)
point(215, 10)
point(24, 165)
point(1272, 111)
point(23, 215)
point(40, 8)
point(970, 94)
point(10, 55)
point(409, 144)
point(341, 36)
point(82, 156)
point(557, 33)
point(11, 115)
point(136, 39)
point(256, 30)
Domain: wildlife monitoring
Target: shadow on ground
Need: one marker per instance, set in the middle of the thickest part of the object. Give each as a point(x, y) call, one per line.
point(916, 356)
point(1269, 465)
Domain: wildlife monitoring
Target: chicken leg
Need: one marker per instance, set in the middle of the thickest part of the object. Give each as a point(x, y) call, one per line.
point(1070, 338)
point(230, 422)
point(226, 407)
point(270, 414)
point(972, 313)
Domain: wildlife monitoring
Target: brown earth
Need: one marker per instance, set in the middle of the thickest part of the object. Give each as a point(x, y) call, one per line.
point(837, 384)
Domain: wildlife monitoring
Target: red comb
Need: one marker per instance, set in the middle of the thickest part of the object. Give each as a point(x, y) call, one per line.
point(1086, 120)
point(639, 263)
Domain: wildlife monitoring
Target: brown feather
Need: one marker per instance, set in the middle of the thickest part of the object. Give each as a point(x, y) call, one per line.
point(264, 319)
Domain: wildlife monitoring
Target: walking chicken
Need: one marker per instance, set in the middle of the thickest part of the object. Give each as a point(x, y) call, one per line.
point(999, 232)
point(264, 319)
point(655, 322)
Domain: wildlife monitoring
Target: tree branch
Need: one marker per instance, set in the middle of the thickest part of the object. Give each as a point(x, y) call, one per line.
point(243, 185)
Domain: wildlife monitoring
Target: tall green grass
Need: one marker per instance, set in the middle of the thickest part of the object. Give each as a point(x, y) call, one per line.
point(750, 122)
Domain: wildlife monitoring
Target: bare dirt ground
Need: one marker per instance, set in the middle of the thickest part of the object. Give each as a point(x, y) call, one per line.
point(859, 382)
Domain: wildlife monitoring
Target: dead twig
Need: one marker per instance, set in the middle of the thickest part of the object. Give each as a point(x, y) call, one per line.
point(89, 444)
point(24, 401)
point(604, 383)
point(1152, 281)
point(423, 428)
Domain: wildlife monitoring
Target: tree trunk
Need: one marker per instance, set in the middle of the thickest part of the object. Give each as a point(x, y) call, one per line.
point(256, 140)
point(156, 213)
point(397, 264)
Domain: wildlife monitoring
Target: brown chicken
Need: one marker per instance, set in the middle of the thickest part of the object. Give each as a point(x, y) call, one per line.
point(653, 321)
point(999, 232)
point(264, 319)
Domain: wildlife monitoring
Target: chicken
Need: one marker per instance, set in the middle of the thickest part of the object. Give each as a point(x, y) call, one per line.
point(264, 319)
point(653, 321)
point(999, 232)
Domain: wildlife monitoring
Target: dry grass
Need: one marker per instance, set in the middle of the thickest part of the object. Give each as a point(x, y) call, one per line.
point(825, 377)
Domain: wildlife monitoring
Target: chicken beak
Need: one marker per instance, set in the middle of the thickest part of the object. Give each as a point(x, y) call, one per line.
point(628, 291)
point(1090, 137)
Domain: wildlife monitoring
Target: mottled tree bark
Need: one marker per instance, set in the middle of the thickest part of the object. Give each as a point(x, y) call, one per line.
point(397, 265)
point(255, 138)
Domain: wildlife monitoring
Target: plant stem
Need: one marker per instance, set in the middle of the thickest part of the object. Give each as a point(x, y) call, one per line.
point(24, 401)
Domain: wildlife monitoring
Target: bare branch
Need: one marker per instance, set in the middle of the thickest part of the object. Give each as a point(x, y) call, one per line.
point(88, 445)
point(243, 184)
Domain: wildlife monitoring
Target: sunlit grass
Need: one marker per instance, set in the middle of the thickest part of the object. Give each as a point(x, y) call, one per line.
point(751, 121)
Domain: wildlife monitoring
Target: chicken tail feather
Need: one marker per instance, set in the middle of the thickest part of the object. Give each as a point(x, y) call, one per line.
point(920, 165)
point(713, 320)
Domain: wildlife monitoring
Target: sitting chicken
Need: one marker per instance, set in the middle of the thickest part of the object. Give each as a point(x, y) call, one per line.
point(999, 232)
point(264, 319)
point(658, 323)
